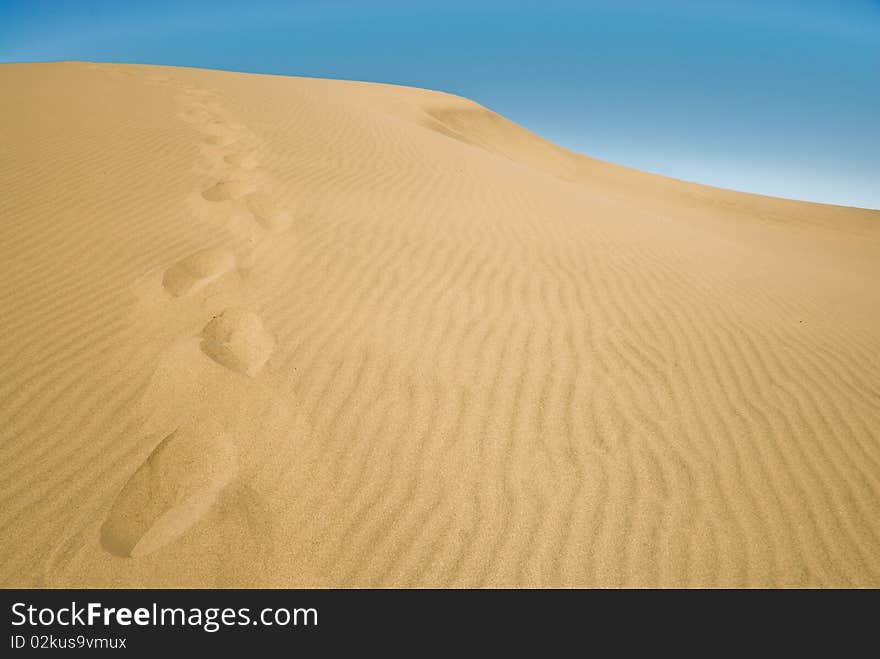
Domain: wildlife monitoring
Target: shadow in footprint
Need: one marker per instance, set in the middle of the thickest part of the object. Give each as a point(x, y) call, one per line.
point(227, 190)
point(220, 140)
point(238, 340)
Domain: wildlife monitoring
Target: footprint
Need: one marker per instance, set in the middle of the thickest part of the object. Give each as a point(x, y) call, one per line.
point(238, 340)
point(171, 491)
point(222, 125)
point(266, 211)
point(198, 270)
point(227, 190)
point(220, 140)
point(243, 159)
point(217, 125)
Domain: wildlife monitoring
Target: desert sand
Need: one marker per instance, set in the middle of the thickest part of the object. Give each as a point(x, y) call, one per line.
point(272, 331)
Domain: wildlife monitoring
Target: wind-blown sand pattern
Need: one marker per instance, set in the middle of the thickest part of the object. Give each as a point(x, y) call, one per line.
point(269, 331)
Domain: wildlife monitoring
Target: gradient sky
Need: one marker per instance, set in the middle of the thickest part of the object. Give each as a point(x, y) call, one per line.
point(780, 97)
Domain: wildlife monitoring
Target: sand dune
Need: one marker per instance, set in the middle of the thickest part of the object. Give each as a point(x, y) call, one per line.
point(269, 331)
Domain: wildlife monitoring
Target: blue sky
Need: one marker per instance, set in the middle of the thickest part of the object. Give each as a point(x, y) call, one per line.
point(780, 97)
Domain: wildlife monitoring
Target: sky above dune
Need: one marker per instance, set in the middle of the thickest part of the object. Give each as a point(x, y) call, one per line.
point(779, 97)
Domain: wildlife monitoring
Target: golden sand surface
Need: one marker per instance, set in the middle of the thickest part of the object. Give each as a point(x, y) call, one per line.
point(273, 331)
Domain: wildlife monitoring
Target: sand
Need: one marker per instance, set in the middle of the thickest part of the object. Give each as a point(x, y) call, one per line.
point(272, 331)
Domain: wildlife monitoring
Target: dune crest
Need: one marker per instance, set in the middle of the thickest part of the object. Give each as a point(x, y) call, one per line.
point(273, 331)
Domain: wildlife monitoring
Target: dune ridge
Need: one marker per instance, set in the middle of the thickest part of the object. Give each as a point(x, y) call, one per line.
point(272, 331)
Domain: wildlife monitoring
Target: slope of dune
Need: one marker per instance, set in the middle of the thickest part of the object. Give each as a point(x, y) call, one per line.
point(270, 331)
